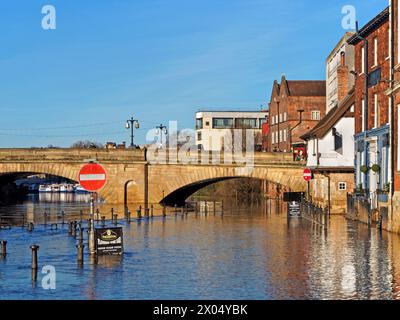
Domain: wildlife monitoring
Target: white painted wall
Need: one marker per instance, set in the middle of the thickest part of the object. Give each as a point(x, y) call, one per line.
point(213, 139)
point(326, 146)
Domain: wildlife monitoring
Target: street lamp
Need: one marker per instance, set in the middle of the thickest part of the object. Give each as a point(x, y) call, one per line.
point(160, 130)
point(132, 124)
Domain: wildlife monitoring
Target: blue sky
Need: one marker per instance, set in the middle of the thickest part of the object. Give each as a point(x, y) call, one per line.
point(160, 60)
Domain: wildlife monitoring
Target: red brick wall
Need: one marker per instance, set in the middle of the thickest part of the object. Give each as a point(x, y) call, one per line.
point(382, 33)
point(290, 105)
point(397, 95)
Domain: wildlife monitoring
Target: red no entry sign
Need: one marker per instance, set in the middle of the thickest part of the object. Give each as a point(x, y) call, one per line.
point(307, 175)
point(92, 177)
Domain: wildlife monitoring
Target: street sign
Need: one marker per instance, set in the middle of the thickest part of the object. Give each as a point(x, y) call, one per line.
point(307, 175)
point(109, 241)
point(92, 177)
point(294, 209)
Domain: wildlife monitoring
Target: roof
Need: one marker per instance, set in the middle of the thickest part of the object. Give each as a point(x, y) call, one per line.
point(314, 88)
point(371, 26)
point(331, 118)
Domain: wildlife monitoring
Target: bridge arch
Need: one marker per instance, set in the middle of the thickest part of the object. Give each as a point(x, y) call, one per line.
point(174, 184)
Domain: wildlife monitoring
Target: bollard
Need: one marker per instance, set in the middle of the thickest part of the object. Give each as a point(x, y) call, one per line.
point(70, 228)
point(74, 224)
point(139, 214)
point(326, 217)
point(152, 210)
point(186, 209)
point(103, 221)
point(80, 248)
point(164, 211)
point(128, 216)
point(80, 234)
point(3, 248)
point(222, 206)
point(146, 212)
point(30, 226)
point(205, 208)
point(34, 249)
point(115, 219)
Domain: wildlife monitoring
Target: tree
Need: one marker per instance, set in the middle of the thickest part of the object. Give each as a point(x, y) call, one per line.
point(87, 144)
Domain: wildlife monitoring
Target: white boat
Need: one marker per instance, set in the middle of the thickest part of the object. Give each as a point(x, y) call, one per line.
point(45, 188)
point(55, 188)
point(79, 189)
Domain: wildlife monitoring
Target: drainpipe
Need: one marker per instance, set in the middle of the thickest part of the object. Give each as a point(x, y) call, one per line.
point(366, 69)
point(392, 102)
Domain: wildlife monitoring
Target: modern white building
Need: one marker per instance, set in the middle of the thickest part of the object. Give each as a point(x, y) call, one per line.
point(213, 127)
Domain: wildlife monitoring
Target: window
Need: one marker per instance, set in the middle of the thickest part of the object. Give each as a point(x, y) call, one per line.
point(243, 123)
point(315, 115)
point(280, 135)
point(222, 123)
point(199, 135)
point(376, 110)
point(262, 121)
point(284, 135)
point(374, 77)
point(280, 117)
point(199, 123)
point(342, 186)
point(276, 119)
point(285, 116)
point(362, 60)
point(375, 51)
point(273, 137)
point(207, 123)
point(272, 120)
point(338, 141)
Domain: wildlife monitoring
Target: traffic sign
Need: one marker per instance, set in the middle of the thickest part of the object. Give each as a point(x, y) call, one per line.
point(92, 177)
point(307, 175)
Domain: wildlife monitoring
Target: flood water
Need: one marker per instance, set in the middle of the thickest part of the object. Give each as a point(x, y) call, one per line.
point(246, 253)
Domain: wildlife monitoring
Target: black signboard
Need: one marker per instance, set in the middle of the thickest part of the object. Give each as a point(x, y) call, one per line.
point(294, 209)
point(109, 241)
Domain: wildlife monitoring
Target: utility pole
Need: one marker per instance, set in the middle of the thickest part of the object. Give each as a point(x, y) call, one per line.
point(132, 124)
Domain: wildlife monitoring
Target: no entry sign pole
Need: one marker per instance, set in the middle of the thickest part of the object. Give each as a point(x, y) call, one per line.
point(92, 177)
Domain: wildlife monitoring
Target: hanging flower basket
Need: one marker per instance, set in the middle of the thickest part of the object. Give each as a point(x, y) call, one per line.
point(364, 169)
point(375, 168)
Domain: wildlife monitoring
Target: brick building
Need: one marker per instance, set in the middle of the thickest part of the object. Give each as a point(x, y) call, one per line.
point(372, 151)
point(295, 108)
point(393, 94)
point(330, 144)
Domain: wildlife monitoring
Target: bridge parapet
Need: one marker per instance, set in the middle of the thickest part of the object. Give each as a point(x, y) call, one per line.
point(72, 155)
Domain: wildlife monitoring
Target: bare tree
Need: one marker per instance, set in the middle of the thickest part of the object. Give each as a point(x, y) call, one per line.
point(87, 144)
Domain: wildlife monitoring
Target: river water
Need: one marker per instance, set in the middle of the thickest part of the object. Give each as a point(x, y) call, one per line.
point(247, 253)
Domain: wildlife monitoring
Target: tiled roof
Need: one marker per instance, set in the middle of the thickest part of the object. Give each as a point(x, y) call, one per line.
point(314, 88)
point(331, 118)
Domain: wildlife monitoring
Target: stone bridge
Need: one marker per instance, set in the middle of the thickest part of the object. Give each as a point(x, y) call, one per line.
point(134, 177)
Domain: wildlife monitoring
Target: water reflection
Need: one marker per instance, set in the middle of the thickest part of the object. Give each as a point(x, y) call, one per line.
point(248, 253)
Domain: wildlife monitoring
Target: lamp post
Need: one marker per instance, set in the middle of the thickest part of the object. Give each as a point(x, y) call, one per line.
point(279, 136)
point(132, 124)
point(300, 111)
point(160, 130)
